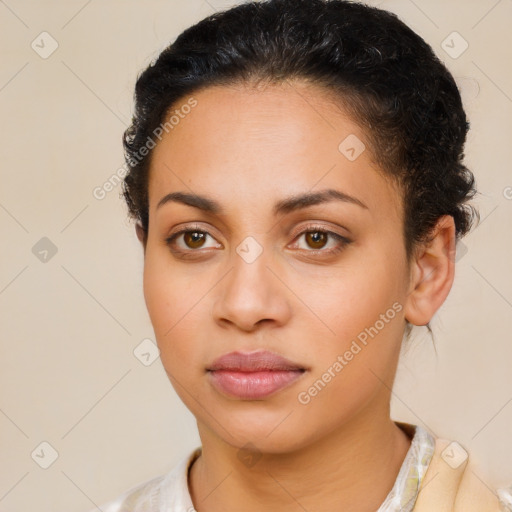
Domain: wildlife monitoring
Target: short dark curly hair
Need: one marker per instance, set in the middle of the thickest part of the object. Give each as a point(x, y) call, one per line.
point(380, 71)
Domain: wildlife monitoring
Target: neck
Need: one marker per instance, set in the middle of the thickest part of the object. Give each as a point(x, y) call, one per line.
point(352, 469)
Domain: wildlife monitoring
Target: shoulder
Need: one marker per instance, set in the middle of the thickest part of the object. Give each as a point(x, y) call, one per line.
point(168, 492)
point(451, 484)
point(137, 498)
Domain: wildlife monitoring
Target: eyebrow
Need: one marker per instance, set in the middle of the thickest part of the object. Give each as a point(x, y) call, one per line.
point(288, 205)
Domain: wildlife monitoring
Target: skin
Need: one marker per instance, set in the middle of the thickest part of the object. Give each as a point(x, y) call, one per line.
point(248, 149)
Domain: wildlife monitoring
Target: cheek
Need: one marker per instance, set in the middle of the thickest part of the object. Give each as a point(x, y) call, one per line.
point(354, 366)
point(351, 299)
point(360, 309)
point(174, 308)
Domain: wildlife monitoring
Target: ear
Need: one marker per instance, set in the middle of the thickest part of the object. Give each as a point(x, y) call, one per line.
point(432, 273)
point(141, 234)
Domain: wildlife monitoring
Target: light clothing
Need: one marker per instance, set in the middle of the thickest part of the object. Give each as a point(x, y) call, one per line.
point(434, 477)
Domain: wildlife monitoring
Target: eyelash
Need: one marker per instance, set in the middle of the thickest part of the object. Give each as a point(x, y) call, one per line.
point(343, 242)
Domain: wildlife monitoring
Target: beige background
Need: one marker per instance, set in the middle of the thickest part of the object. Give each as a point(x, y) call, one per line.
point(70, 324)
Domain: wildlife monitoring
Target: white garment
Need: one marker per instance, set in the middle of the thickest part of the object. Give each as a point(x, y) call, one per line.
point(165, 493)
point(170, 493)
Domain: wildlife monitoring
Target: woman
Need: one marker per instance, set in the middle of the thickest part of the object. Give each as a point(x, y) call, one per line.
point(297, 180)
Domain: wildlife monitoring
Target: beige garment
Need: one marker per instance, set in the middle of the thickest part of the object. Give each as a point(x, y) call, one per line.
point(451, 485)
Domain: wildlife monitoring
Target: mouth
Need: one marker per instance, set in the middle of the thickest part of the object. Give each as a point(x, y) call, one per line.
point(253, 376)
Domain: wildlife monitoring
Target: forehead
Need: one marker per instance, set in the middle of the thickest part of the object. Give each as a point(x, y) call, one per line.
point(249, 146)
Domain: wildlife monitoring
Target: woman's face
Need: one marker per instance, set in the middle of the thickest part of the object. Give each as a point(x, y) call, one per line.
point(255, 278)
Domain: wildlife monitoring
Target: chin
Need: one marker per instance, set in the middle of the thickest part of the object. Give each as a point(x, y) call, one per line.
point(276, 432)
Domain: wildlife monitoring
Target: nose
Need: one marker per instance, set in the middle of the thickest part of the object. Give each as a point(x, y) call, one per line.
point(252, 294)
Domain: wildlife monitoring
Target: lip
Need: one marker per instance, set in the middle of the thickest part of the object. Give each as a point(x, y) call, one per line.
point(253, 375)
point(259, 360)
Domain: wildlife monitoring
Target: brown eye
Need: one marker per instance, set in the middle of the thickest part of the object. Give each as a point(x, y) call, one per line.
point(316, 239)
point(320, 241)
point(190, 241)
point(194, 239)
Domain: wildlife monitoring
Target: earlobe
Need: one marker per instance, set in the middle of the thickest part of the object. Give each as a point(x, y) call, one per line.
point(432, 274)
